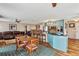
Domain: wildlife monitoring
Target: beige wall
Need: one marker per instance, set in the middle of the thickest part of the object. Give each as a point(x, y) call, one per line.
point(30, 27)
point(33, 27)
point(20, 27)
point(73, 32)
point(4, 26)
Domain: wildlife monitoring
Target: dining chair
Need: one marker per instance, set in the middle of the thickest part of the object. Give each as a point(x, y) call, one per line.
point(19, 43)
point(31, 47)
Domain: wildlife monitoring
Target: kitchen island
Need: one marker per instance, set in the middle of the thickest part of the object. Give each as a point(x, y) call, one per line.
point(59, 42)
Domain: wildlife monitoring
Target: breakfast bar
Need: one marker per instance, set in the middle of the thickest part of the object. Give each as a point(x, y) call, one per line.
point(59, 42)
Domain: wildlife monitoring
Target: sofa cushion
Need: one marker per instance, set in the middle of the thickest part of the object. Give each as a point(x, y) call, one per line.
point(7, 37)
point(1, 37)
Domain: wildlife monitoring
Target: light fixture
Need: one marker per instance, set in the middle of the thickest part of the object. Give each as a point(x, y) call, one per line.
point(54, 4)
point(18, 21)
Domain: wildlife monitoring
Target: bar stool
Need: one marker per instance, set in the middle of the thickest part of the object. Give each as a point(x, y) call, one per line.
point(43, 37)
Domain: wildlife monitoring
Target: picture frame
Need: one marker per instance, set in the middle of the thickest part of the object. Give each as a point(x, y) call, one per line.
point(13, 27)
point(71, 25)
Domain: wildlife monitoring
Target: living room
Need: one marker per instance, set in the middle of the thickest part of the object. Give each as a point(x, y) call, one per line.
point(37, 28)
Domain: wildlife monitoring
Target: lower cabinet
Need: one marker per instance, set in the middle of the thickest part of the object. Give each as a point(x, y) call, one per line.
point(58, 42)
point(50, 39)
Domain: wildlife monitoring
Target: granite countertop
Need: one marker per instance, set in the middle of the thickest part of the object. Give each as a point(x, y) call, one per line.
point(57, 34)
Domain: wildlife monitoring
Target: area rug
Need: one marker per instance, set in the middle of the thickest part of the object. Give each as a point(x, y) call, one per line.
point(10, 50)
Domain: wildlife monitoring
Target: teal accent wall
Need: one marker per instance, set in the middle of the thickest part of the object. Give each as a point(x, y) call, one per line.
point(58, 42)
point(60, 23)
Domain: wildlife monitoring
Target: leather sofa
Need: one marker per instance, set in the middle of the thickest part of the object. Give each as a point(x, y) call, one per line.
point(1, 36)
point(9, 36)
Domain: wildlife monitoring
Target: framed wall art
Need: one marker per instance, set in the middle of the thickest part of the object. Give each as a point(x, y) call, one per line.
point(71, 25)
point(13, 27)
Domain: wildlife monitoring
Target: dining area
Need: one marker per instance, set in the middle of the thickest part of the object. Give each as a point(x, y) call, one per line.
point(30, 44)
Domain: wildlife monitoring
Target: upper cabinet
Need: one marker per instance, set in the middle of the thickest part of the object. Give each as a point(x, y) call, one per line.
point(54, 26)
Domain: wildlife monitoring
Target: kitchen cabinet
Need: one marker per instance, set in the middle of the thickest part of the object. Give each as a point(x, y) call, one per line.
point(58, 42)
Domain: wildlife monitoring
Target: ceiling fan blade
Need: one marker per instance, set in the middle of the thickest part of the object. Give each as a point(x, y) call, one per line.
point(1, 16)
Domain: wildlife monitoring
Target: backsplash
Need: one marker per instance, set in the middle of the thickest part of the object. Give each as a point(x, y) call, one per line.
point(54, 26)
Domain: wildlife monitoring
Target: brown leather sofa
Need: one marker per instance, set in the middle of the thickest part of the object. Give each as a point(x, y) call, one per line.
point(9, 36)
point(1, 36)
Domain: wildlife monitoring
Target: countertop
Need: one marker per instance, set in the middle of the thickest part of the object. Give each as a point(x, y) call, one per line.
point(57, 34)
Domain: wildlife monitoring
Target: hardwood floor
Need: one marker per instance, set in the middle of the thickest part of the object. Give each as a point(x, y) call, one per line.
point(73, 48)
point(46, 44)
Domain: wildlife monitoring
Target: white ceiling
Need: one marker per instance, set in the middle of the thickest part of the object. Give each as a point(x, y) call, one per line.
point(38, 12)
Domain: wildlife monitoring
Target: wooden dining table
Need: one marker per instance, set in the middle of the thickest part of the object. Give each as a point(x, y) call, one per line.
point(30, 44)
point(33, 40)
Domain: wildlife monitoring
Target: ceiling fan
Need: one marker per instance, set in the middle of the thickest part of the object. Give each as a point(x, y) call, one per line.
point(17, 21)
point(54, 4)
